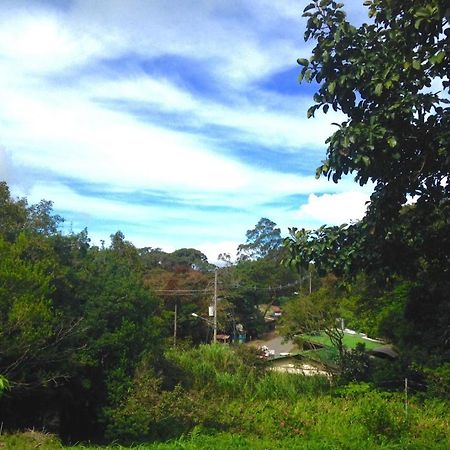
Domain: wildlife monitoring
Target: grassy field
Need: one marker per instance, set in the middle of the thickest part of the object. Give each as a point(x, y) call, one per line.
point(308, 424)
point(228, 405)
point(350, 340)
point(352, 419)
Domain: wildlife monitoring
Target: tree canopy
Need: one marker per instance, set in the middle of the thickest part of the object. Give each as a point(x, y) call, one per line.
point(389, 77)
point(263, 240)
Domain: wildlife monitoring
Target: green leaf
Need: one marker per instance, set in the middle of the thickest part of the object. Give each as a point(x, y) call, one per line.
point(392, 142)
point(423, 13)
point(303, 62)
point(365, 160)
point(438, 57)
point(4, 384)
point(378, 88)
point(417, 23)
point(332, 87)
point(416, 64)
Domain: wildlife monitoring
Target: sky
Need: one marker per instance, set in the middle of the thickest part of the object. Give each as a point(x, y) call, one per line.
point(180, 123)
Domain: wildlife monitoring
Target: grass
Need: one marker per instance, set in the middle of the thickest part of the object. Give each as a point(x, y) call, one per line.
point(350, 340)
point(326, 355)
point(369, 420)
point(276, 410)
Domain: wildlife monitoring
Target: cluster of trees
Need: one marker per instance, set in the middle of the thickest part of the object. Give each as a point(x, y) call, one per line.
point(78, 321)
point(75, 320)
point(81, 326)
point(389, 78)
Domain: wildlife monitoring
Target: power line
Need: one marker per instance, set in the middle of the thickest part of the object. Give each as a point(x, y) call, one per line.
point(180, 291)
point(211, 290)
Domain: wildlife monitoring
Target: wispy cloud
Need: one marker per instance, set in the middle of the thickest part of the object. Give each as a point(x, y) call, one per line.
point(171, 121)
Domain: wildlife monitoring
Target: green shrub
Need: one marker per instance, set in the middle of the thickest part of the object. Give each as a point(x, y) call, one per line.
point(228, 403)
point(382, 416)
point(30, 440)
point(216, 368)
point(354, 389)
point(438, 381)
point(289, 386)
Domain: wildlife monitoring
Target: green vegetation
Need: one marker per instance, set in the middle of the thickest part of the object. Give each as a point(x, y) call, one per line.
point(227, 403)
point(89, 346)
point(82, 327)
point(389, 78)
point(350, 341)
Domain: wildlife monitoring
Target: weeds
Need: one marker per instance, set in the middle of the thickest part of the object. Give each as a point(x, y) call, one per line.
point(231, 404)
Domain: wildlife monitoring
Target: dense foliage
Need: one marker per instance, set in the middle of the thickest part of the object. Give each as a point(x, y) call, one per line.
point(389, 78)
point(222, 400)
point(75, 321)
point(82, 326)
point(96, 342)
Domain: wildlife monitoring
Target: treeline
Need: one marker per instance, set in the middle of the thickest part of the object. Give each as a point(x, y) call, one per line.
point(77, 320)
point(394, 135)
point(86, 331)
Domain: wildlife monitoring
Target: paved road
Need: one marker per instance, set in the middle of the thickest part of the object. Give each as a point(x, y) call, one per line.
point(274, 342)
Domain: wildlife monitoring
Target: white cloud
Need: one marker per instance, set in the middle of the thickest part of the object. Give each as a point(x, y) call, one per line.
point(41, 42)
point(334, 209)
point(72, 135)
point(56, 116)
point(213, 249)
point(7, 171)
point(147, 222)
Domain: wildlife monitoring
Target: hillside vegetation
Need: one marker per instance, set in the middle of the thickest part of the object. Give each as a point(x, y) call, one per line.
point(223, 402)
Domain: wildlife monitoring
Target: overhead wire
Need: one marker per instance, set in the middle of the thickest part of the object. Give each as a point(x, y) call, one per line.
point(211, 290)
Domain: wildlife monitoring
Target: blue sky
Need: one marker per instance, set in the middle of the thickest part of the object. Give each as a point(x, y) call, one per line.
point(180, 123)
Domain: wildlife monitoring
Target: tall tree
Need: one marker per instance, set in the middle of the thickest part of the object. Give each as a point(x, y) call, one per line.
point(263, 240)
point(389, 77)
point(75, 321)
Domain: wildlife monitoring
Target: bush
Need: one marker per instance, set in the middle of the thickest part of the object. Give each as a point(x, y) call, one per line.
point(355, 365)
point(383, 418)
point(216, 369)
point(438, 381)
point(30, 440)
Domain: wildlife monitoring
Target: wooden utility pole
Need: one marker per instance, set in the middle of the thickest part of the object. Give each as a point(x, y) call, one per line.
point(310, 280)
point(215, 307)
point(175, 325)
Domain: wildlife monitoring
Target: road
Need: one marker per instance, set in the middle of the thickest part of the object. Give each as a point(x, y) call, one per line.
point(274, 342)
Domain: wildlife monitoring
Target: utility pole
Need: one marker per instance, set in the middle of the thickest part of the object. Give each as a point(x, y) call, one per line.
point(406, 398)
point(175, 325)
point(215, 306)
point(310, 280)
